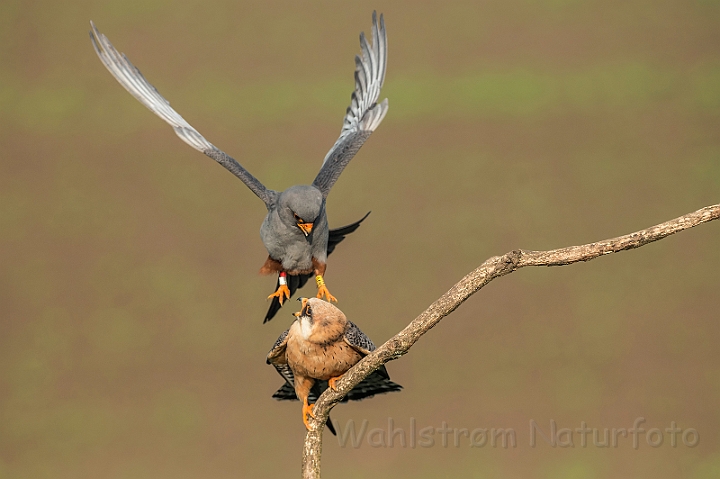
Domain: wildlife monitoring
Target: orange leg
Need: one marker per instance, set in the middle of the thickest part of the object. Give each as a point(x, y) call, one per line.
point(333, 381)
point(283, 292)
point(307, 409)
point(322, 289)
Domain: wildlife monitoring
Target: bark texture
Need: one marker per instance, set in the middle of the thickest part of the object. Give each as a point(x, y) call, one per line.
point(493, 268)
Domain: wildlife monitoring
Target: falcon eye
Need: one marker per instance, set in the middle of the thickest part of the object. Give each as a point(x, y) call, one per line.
point(297, 218)
point(308, 311)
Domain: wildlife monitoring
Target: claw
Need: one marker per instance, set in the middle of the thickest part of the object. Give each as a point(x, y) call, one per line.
point(282, 293)
point(323, 291)
point(333, 381)
point(307, 409)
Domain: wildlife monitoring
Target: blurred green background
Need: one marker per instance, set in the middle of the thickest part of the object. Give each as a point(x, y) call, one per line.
point(131, 343)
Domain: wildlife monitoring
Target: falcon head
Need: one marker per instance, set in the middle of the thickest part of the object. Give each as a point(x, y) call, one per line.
point(305, 312)
point(320, 319)
point(300, 206)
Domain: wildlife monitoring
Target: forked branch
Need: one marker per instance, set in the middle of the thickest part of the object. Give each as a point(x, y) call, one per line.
point(493, 268)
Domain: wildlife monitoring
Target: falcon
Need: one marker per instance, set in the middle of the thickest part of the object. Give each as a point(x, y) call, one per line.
point(314, 353)
point(295, 231)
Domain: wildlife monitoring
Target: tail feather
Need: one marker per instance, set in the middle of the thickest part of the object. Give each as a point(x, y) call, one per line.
point(293, 283)
point(331, 426)
point(338, 234)
point(372, 385)
point(376, 383)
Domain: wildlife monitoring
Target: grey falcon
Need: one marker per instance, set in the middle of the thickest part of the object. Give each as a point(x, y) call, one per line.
point(295, 231)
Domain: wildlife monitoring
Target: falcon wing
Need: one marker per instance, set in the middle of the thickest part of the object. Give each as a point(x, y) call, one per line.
point(278, 359)
point(276, 356)
point(357, 340)
point(135, 83)
point(363, 345)
point(364, 113)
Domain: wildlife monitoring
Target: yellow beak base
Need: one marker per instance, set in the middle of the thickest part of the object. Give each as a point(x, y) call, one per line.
point(306, 228)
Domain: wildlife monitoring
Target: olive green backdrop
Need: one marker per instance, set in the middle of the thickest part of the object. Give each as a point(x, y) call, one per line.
point(131, 343)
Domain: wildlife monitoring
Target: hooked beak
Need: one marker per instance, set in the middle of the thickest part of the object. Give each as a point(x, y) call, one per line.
point(302, 308)
point(306, 228)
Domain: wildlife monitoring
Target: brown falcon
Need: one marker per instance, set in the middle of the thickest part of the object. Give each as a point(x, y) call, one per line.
point(319, 347)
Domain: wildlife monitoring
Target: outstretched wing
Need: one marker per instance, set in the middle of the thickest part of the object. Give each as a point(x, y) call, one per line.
point(135, 83)
point(364, 113)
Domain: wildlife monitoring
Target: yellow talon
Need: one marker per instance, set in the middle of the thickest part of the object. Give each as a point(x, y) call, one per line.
point(322, 289)
point(282, 293)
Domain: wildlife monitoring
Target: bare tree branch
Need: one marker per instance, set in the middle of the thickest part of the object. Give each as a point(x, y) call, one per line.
point(493, 268)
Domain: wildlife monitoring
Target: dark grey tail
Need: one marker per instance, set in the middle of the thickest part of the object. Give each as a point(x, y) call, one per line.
point(377, 383)
point(298, 281)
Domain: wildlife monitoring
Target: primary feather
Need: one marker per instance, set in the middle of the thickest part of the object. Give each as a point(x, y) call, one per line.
point(364, 113)
point(134, 82)
point(298, 255)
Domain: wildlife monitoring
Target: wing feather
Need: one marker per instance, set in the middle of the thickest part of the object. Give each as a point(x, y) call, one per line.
point(135, 83)
point(374, 384)
point(276, 355)
point(364, 114)
point(358, 340)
